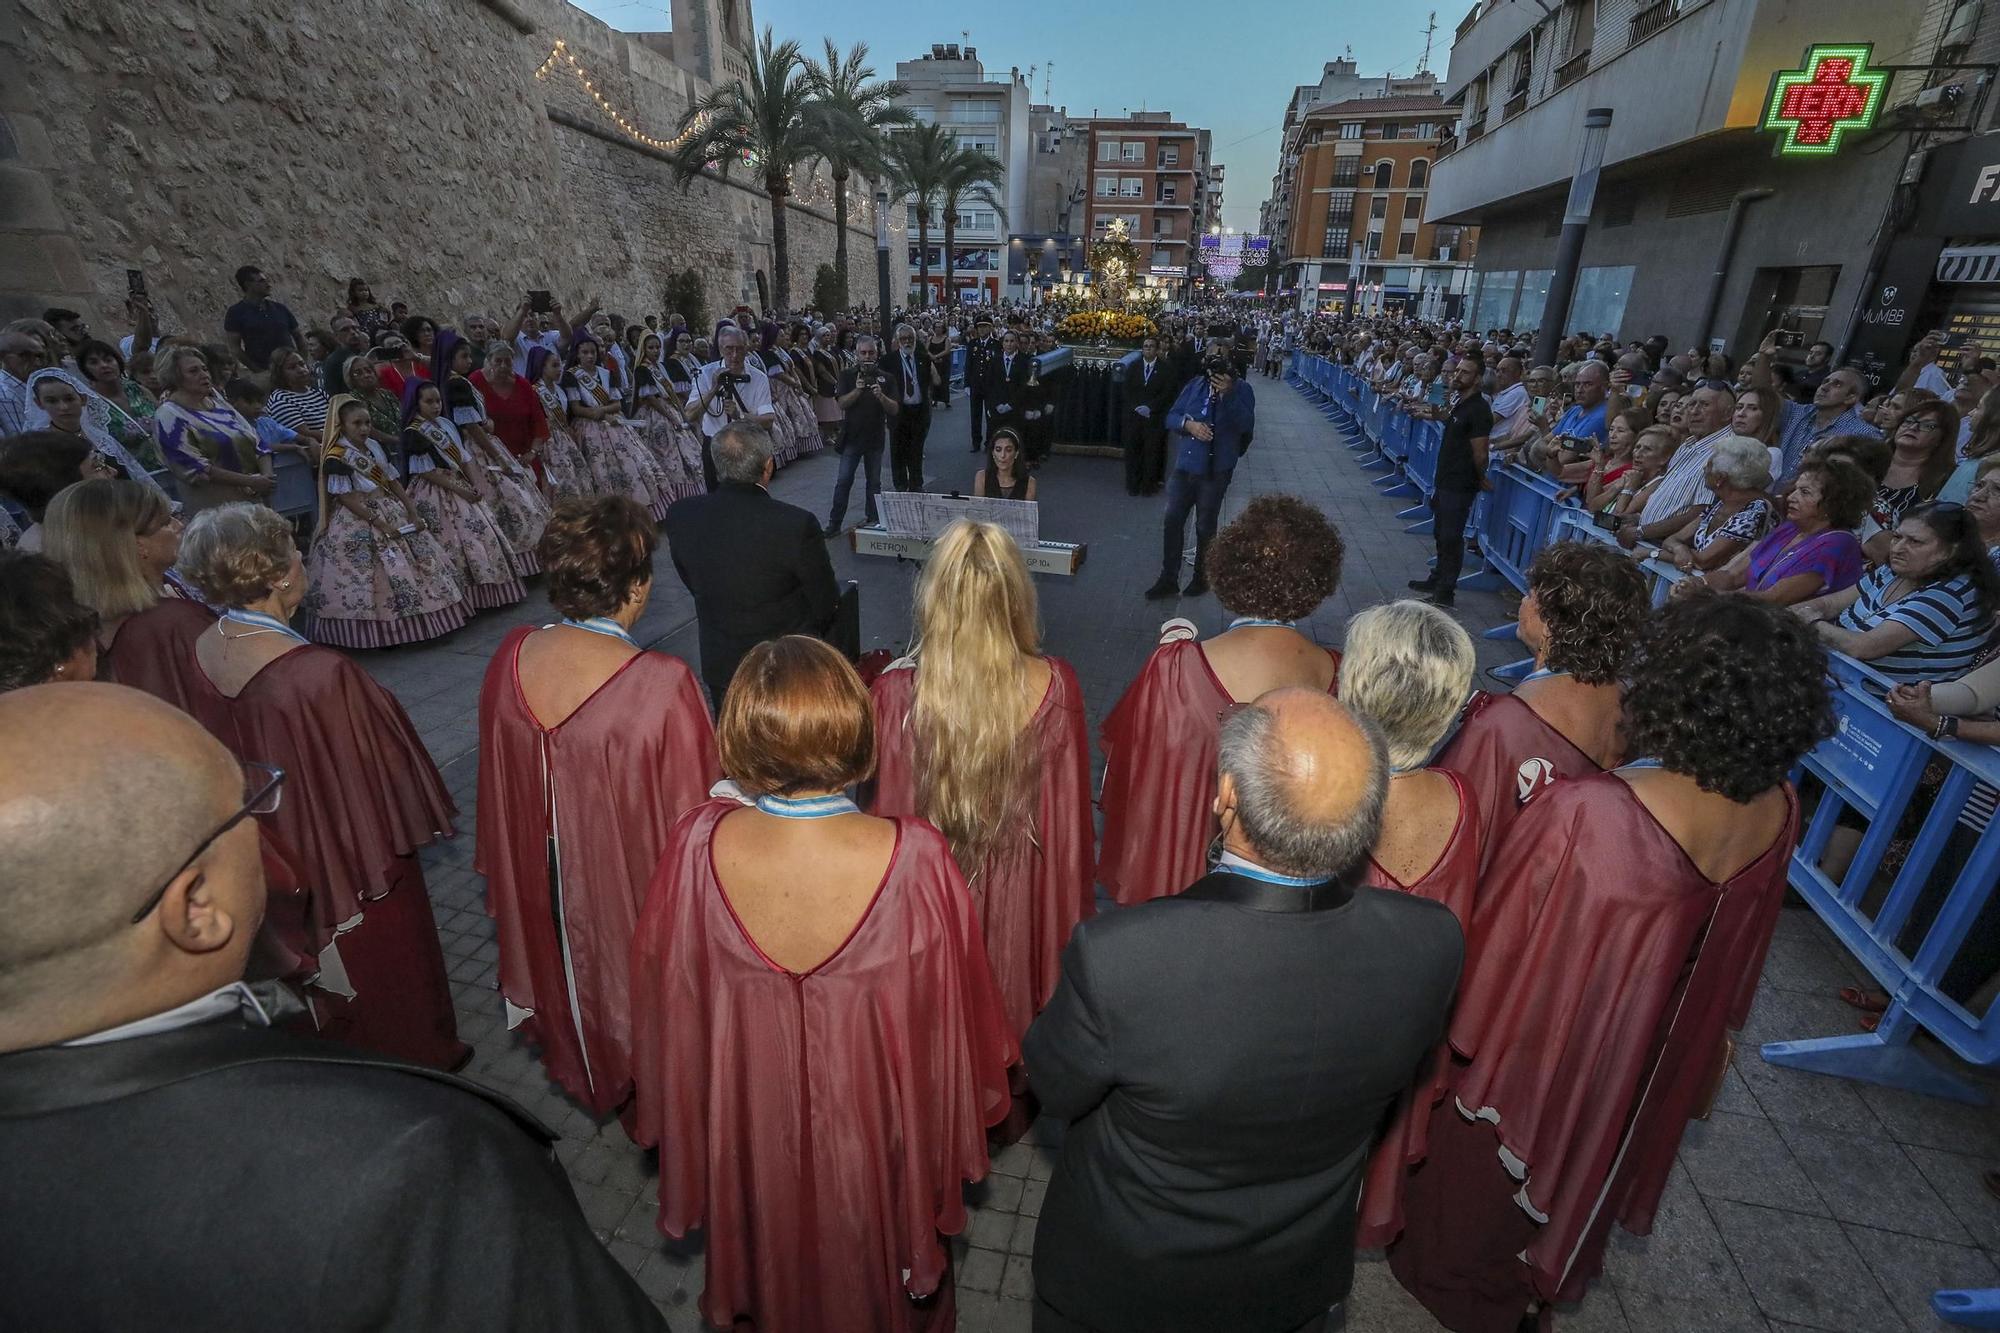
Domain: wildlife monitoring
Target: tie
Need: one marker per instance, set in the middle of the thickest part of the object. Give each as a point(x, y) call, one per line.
point(1149, 373)
point(909, 379)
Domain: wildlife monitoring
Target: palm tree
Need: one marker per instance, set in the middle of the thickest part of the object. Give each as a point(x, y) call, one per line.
point(971, 176)
point(862, 111)
point(918, 159)
point(772, 120)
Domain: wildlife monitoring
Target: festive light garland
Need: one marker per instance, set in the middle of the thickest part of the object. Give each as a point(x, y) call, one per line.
point(561, 51)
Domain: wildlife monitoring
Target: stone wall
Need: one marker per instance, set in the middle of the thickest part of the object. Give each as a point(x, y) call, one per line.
point(411, 143)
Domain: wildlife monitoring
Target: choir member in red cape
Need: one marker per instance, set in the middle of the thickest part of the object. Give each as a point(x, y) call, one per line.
point(1584, 609)
point(589, 750)
point(1620, 935)
point(984, 737)
point(817, 1040)
point(362, 793)
point(119, 541)
point(1270, 568)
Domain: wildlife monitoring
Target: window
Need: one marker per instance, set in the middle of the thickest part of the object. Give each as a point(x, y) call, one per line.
point(1346, 172)
point(1339, 223)
point(1384, 173)
point(1107, 186)
point(1495, 304)
point(1350, 129)
point(1166, 192)
point(1170, 155)
point(975, 110)
point(1420, 174)
point(1406, 245)
point(1107, 150)
point(1534, 297)
point(1132, 150)
point(981, 143)
point(1163, 227)
point(1104, 220)
point(1600, 298)
point(1163, 258)
point(974, 219)
point(1131, 187)
point(1391, 129)
point(1378, 207)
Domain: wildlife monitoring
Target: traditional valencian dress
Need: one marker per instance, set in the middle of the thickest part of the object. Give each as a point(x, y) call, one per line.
point(510, 487)
point(618, 458)
point(784, 433)
point(662, 437)
point(563, 464)
point(153, 650)
point(1508, 756)
point(1602, 974)
point(1160, 746)
point(572, 820)
point(795, 406)
point(466, 529)
point(819, 1125)
point(367, 590)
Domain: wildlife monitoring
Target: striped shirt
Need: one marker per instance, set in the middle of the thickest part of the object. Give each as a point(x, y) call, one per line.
point(1945, 617)
point(1685, 482)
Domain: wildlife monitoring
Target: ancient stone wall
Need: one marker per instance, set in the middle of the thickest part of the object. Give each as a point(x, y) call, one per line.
point(409, 142)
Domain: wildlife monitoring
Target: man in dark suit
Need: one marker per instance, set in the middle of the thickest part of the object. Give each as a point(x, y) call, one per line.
point(981, 355)
point(1008, 398)
point(1225, 1057)
point(169, 1159)
point(1150, 389)
point(757, 566)
point(909, 373)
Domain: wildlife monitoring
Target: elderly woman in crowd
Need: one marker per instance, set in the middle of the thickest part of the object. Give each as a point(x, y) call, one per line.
point(825, 1161)
point(444, 489)
point(984, 736)
point(363, 381)
point(1814, 551)
point(1651, 453)
point(364, 795)
point(379, 577)
point(37, 466)
point(590, 748)
point(294, 401)
point(1611, 461)
point(511, 486)
point(1271, 568)
point(1739, 471)
point(59, 400)
point(119, 542)
point(1924, 441)
point(1626, 984)
point(1584, 609)
point(1926, 614)
point(46, 634)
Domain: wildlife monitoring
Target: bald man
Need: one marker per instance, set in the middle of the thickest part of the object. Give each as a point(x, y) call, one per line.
point(1225, 1057)
point(169, 1160)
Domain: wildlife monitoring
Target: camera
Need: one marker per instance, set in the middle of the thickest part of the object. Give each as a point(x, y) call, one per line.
point(741, 378)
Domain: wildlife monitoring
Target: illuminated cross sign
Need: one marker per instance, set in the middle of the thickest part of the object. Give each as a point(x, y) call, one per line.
point(1813, 107)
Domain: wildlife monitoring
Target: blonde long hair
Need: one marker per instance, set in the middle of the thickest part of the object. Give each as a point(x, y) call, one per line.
point(91, 530)
point(977, 627)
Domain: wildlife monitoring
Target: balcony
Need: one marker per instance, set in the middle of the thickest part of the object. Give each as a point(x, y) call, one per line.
point(1655, 17)
point(1474, 129)
point(1573, 69)
point(1515, 105)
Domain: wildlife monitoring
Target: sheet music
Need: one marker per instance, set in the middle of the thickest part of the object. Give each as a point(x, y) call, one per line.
point(918, 514)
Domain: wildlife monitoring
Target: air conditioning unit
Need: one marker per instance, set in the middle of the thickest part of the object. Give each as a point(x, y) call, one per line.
point(1964, 20)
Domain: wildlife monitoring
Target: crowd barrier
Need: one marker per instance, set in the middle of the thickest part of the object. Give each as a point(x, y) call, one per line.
point(1887, 790)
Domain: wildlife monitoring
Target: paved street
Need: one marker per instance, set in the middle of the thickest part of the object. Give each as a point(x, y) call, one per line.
point(1802, 1202)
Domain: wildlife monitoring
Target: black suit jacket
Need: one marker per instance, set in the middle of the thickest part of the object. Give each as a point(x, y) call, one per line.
point(758, 570)
point(980, 360)
point(225, 1176)
point(892, 370)
point(1226, 1058)
point(1010, 388)
point(1158, 395)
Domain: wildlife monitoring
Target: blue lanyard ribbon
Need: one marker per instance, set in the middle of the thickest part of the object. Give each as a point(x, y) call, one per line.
point(1641, 763)
point(1542, 673)
point(604, 625)
point(1241, 621)
point(811, 807)
point(265, 624)
point(1238, 866)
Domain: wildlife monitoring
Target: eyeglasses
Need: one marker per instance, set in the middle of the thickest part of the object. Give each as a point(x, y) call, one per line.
point(261, 784)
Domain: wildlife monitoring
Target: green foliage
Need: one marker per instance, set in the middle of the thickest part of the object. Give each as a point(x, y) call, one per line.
point(687, 295)
point(1252, 279)
point(829, 292)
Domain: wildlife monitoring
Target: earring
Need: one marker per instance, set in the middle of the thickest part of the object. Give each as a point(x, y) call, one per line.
point(62, 668)
point(284, 583)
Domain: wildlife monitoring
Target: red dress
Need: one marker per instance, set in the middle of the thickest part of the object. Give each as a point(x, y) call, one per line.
point(153, 650)
point(592, 798)
point(1590, 1020)
point(1031, 893)
point(1159, 771)
point(361, 796)
point(1508, 756)
point(517, 416)
point(821, 1125)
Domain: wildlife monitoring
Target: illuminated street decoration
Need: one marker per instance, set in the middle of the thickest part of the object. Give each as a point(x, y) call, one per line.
point(1815, 106)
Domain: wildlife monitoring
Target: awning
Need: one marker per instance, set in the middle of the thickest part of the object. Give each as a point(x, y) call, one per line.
point(1969, 263)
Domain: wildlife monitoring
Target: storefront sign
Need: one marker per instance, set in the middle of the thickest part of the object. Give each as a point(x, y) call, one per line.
point(1813, 107)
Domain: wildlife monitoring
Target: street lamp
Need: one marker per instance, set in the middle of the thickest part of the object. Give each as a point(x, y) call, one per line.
point(882, 258)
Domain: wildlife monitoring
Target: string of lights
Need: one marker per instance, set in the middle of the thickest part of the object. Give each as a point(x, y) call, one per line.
point(560, 51)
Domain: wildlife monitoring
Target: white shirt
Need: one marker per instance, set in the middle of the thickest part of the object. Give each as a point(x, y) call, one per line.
point(525, 342)
point(756, 396)
point(1510, 415)
point(913, 376)
point(1934, 379)
point(222, 1002)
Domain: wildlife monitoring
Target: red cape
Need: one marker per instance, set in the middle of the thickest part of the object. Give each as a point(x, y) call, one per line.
point(820, 1126)
point(1508, 756)
point(1454, 881)
point(1031, 893)
point(1159, 775)
point(154, 650)
point(1594, 1007)
point(361, 796)
point(607, 785)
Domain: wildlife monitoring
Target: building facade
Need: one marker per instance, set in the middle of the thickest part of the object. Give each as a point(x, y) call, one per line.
point(1152, 171)
point(1699, 232)
point(948, 86)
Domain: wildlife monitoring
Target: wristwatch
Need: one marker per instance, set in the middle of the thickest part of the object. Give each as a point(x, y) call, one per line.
point(1945, 728)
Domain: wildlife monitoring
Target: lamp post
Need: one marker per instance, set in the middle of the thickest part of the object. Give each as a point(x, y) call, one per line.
point(1576, 222)
point(882, 261)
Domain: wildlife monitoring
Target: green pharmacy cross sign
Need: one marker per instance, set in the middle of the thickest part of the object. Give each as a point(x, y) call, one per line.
point(1813, 107)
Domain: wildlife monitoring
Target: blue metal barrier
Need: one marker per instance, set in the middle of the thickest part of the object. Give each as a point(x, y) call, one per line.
point(958, 367)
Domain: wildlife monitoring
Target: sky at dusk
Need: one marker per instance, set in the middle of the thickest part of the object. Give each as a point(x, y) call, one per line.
point(1228, 65)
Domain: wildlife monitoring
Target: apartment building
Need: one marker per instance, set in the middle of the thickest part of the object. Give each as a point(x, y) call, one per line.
point(1152, 171)
point(949, 86)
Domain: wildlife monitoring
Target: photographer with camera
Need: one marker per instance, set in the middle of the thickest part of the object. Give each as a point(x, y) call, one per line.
point(1209, 426)
point(866, 408)
point(729, 392)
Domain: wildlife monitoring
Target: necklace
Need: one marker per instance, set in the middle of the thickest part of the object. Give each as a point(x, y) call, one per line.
point(810, 807)
point(262, 623)
point(604, 625)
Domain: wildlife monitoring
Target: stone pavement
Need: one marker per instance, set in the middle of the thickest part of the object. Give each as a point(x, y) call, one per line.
point(1803, 1202)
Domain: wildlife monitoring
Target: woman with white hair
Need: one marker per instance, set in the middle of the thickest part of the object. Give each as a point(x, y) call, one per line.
point(1739, 471)
point(1408, 667)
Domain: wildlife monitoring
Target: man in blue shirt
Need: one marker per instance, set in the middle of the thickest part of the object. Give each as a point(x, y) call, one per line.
point(1584, 421)
point(1208, 428)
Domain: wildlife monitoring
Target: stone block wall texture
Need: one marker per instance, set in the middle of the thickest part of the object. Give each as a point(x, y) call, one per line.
point(408, 142)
